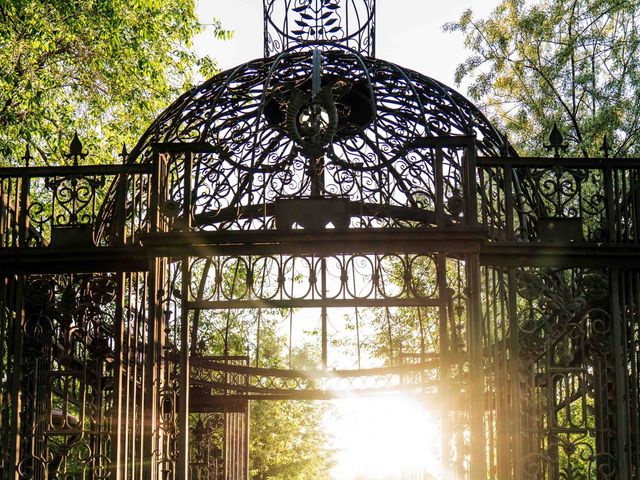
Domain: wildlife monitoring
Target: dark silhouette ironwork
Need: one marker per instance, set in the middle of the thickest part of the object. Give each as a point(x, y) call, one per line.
point(138, 299)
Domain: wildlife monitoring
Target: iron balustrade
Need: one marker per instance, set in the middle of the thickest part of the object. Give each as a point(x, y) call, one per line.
point(60, 207)
point(577, 200)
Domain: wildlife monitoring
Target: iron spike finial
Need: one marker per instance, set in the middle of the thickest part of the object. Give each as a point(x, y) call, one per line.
point(605, 148)
point(556, 141)
point(124, 155)
point(75, 150)
point(27, 156)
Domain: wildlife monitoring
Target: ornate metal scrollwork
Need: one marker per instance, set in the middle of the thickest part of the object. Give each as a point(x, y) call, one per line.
point(346, 22)
point(565, 352)
point(67, 376)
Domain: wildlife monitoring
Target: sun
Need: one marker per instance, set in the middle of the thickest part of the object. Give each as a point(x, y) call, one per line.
point(386, 437)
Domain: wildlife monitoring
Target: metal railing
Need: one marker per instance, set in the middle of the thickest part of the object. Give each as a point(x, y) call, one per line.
point(560, 199)
point(61, 206)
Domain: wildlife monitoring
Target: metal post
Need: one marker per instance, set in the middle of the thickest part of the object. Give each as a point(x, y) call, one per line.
point(182, 467)
point(121, 209)
point(247, 433)
point(444, 386)
point(187, 190)
point(118, 453)
point(439, 180)
point(23, 187)
point(619, 357)
point(470, 185)
point(150, 394)
point(325, 341)
point(156, 179)
point(514, 367)
point(154, 319)
point(609, 200)
point(476, 370)
point(508, 199)
point(16, 377)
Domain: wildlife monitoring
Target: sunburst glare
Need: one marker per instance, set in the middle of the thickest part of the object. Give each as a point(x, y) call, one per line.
point(386, 437)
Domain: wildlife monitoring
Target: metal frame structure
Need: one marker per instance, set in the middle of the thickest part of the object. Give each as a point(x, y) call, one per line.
point(319, 197)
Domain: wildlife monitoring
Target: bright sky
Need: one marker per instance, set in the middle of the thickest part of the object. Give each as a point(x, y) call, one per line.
point(409, 33)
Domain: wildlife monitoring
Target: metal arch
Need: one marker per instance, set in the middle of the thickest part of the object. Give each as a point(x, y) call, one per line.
point(205, 107)
point(556, 343)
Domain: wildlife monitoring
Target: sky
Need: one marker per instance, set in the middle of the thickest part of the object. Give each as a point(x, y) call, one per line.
point(409, 33)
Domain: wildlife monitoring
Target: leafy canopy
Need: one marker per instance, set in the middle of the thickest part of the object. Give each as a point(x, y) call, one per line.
point(102, 67)
point(575, 62)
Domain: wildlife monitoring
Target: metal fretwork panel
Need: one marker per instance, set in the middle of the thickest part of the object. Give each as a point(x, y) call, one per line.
point(561, 366)
point(227, 304)
point(312, 225)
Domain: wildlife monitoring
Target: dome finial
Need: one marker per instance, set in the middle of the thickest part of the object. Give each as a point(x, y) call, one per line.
point(345, 22)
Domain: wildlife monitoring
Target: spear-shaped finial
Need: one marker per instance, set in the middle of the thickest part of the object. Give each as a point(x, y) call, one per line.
point(605, 148)
point(75, 150)
point(27, 156)
point(124, 155)
point(556, 141)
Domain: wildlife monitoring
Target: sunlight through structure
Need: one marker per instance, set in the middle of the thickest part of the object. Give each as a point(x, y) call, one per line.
point(321, 225)
point(390, 437)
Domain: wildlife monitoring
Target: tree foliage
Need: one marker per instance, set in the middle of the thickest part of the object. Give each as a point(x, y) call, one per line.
point(102, 67)
point(573, 62)
point(288, 440)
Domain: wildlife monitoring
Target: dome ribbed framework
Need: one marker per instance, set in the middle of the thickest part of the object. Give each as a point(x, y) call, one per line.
point(375, 116)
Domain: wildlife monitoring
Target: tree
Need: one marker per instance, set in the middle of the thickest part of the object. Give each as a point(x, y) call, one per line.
point(288, 439)
point(104, 68)
point(288, 442)
point(576, 63)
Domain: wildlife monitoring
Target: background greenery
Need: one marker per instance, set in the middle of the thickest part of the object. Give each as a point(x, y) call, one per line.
point(575, 62)
point(102, 67)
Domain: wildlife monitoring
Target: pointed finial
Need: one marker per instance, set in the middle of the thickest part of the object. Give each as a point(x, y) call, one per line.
point(27, 156)
point(75, 150)
point(556, 141)
point(124, 155)
point(605, 148)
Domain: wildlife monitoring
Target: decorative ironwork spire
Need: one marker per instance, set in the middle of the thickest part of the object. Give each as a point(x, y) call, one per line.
point(556, 141)
point(75, 150)
point(350, 23)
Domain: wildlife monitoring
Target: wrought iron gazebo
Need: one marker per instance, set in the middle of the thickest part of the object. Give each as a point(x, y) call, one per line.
point(327, 198)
